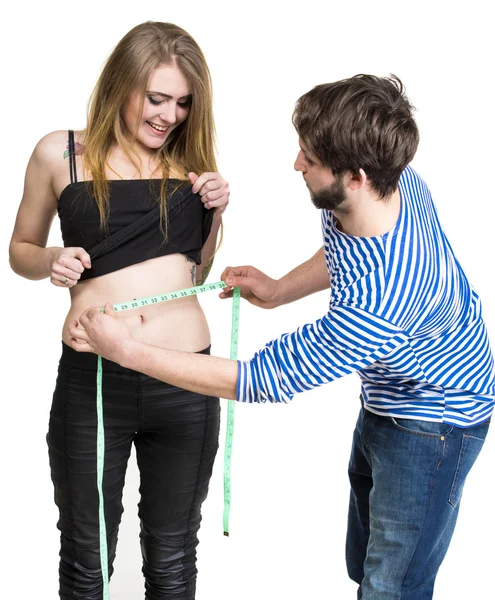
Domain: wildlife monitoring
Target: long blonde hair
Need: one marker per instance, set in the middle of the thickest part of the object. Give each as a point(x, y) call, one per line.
point(189, 147)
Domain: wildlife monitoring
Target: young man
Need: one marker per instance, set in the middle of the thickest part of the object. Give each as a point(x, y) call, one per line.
point(402, 314)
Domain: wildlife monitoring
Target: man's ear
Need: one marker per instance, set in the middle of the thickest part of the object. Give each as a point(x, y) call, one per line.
point(356, 181)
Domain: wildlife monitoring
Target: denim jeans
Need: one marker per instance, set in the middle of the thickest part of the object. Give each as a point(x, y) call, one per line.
point(175, 434)
point(406, 480)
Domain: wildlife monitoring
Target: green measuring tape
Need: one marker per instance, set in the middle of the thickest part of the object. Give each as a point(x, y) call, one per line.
point(100, 454)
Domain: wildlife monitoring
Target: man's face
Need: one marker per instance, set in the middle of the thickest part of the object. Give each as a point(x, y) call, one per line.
point(326, 190)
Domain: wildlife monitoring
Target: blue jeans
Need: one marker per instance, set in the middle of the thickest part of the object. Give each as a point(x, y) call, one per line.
point(406, 485)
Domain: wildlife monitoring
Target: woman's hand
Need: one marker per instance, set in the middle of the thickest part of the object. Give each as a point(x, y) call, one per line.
point(67, 266)
point(213, 189)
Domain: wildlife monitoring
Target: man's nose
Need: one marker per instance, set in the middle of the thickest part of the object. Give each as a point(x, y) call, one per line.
point(299, 164)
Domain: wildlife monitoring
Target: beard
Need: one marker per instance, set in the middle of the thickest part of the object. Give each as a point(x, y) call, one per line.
point(331, 197)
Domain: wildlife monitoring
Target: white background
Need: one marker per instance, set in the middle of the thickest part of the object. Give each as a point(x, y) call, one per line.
point(290, 488)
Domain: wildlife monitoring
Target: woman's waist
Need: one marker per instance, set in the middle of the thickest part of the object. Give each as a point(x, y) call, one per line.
point(180, 326)
point(179, 323)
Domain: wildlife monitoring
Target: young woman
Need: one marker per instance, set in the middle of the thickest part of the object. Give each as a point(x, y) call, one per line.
point(136, 220)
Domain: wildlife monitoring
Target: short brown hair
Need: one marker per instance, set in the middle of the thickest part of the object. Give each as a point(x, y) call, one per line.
point(364, 122)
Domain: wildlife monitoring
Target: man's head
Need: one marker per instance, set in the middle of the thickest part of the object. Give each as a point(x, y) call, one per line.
point(356, 125)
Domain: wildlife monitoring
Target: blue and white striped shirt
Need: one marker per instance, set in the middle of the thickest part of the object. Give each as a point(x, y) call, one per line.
point(402, 314)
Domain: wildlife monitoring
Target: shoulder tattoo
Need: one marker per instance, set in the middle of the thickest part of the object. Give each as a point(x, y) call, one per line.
point(78, 149)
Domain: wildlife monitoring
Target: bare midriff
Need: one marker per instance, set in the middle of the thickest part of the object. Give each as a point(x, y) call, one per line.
point(179, 324)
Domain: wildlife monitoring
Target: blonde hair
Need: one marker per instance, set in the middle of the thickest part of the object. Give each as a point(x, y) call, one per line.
point(189, 147)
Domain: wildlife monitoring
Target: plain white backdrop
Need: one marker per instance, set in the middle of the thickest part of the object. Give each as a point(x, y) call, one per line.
point(290, 489)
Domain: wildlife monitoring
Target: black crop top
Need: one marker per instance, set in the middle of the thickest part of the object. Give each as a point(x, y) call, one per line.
point(133, 234)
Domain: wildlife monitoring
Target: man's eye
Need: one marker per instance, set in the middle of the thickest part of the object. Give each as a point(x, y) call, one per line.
point(154, 101)
point(309, 161)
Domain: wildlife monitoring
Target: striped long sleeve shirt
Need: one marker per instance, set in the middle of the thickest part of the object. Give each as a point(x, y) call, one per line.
point(402, 314)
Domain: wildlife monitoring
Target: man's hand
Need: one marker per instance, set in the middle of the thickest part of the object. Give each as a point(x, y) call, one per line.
point(101, 333)
point(261, 290)
point(256, 287)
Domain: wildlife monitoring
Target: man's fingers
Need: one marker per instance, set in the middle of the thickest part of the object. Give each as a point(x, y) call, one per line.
point(78, 333)
point(231, 272)
point(88, 315)
point(226, 293)
point(80, 346)
point(238, 281)
point(109, 309)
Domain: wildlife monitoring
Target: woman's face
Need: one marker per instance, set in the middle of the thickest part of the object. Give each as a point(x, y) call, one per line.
point(166, 106)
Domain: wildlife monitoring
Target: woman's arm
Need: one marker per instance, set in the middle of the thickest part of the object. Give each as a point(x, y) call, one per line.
point(29, 256)
point(209, 249)
point(215, 193)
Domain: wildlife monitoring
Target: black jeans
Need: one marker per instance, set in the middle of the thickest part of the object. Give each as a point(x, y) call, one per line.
point(175, 433)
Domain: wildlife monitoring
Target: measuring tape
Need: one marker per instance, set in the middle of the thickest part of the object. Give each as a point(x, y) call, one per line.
point(100, 454)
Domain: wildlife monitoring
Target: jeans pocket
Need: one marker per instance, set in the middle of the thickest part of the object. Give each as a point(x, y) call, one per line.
point(430, 429)
point(470, 448)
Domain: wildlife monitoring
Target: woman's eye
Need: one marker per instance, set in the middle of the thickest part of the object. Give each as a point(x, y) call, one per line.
point(154, 101)
point(183, 104)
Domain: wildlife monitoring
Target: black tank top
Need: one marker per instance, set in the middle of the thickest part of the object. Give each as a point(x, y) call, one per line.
point(133, 233)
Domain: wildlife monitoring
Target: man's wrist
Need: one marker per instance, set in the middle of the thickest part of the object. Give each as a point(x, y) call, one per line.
point(279, 295)
point(129, 353)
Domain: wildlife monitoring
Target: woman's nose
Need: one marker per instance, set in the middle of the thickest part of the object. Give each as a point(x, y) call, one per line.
point(168, 114)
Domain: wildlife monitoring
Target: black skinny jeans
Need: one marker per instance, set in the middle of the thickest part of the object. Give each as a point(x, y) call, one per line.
point(175, 433)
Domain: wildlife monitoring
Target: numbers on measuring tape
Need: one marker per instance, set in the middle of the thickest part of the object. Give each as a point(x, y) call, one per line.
point(136, 303)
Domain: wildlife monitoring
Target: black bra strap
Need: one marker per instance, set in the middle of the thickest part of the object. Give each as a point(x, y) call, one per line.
point(72, 158)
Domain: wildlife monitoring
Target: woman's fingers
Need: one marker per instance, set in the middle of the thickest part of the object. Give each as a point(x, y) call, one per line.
point(66, 272)
point(203, 179)
point(63, 281)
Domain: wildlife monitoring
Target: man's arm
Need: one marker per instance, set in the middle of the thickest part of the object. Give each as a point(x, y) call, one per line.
point(209, 375)
point(345, 340)
point(104, 334)
point(306, 279)
point(265, 292)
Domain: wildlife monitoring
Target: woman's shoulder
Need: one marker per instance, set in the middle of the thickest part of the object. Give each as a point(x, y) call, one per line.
point(52, 150)
point(54, 146)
